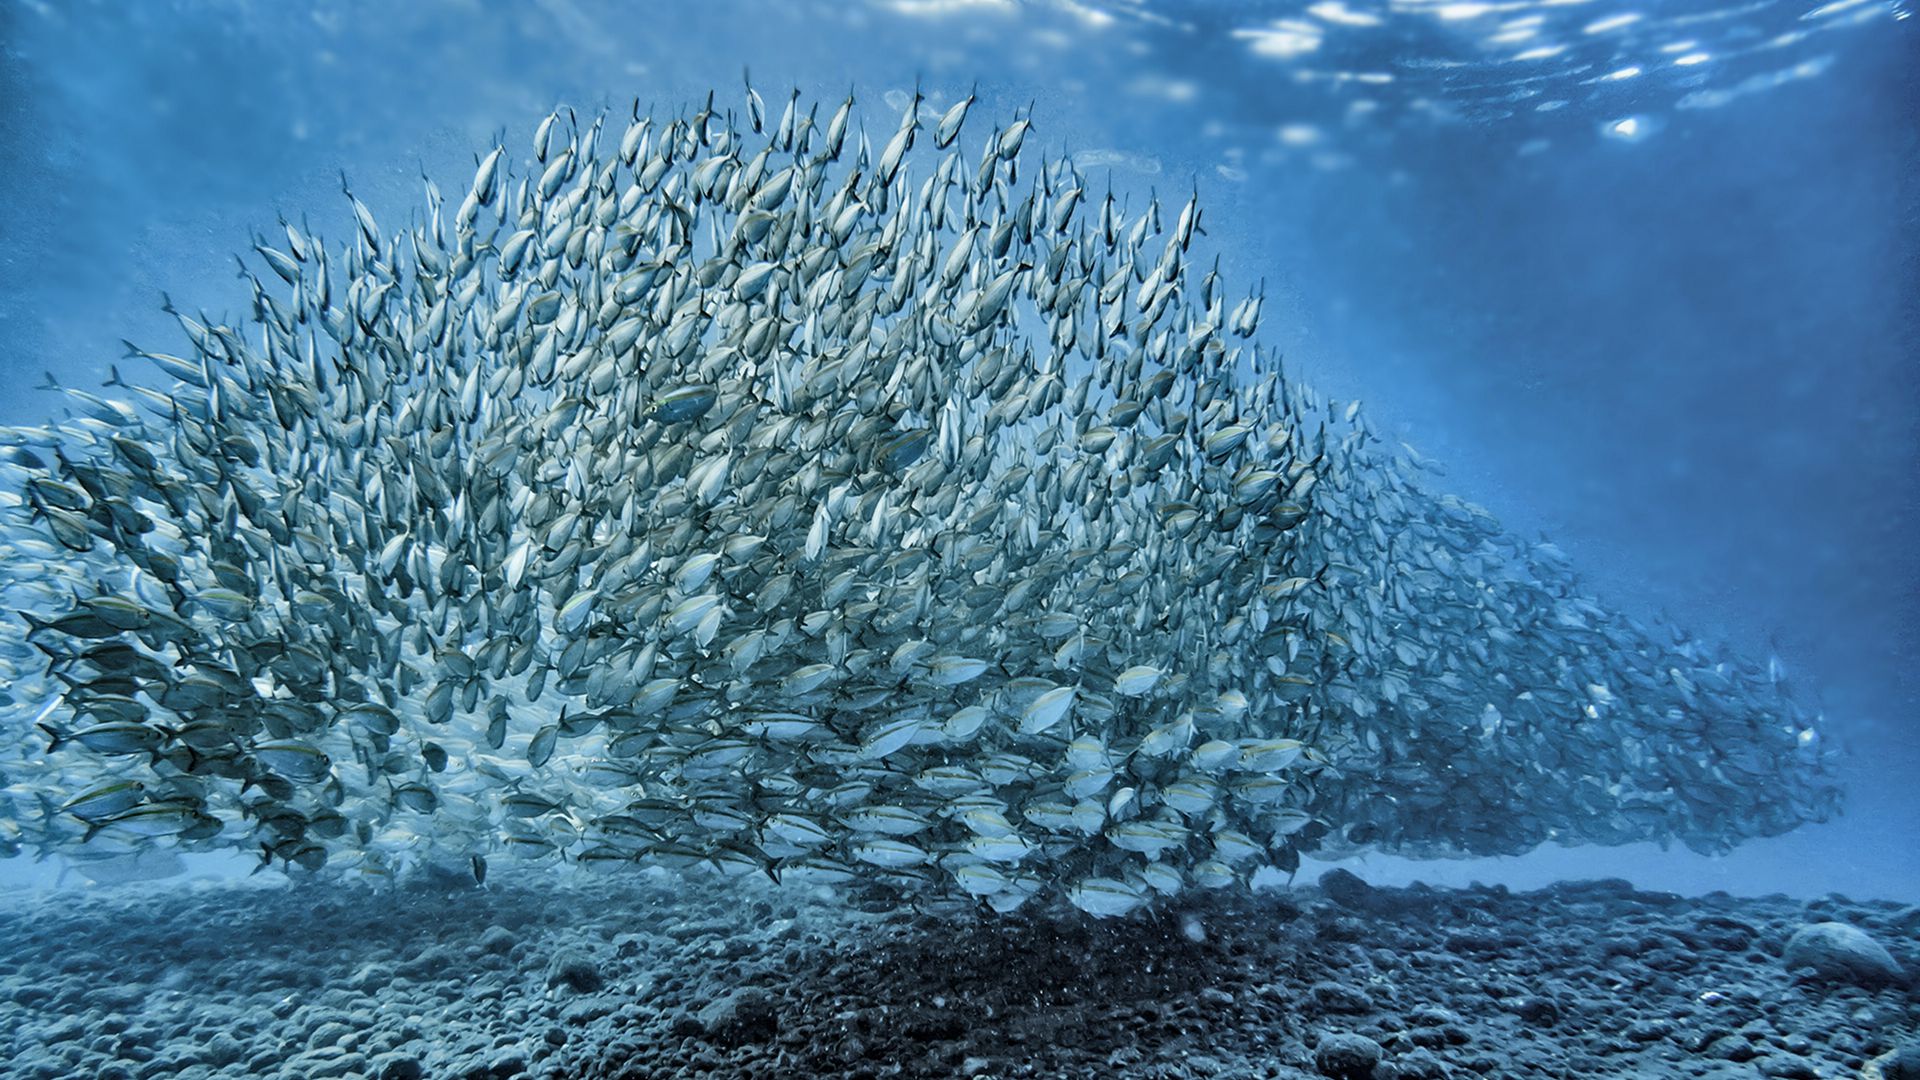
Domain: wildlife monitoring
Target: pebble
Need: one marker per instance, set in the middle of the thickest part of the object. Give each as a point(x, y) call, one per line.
point(396, 1066)
point(1346, 888)
point(746, 1015)
point(1536, 1011)
point(1787, 1067)
point(1415, 1065)
point(576, 971)
point(1905, 1063)
point(1336, 997)
point(1842, 953)
point(1346, 1056)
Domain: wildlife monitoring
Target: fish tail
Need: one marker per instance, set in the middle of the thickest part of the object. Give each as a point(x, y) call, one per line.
point(55, 737)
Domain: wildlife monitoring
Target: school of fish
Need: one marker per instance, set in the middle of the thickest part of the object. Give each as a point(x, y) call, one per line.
point(731, 491)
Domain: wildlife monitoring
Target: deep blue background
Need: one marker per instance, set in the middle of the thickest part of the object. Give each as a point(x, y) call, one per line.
point(1689, 359)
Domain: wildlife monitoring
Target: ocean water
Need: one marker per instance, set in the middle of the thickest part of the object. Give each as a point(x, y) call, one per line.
point(1640, 280)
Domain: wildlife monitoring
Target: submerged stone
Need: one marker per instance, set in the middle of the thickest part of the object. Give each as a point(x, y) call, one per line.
point(1840, 952)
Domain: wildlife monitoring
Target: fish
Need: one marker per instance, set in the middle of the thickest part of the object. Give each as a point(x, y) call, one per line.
point(105, 800)
point(742, 496)
point(1106, 897)
point(1137, 680)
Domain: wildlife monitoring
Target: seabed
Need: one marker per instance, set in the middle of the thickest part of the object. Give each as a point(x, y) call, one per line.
point(652, 975)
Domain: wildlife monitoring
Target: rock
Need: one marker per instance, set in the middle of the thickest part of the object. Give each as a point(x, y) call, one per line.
point(1436, 1026)
point(328, 1034)
point(396, 1066)
point(1433, 1016)
point(1905, 1063)
point(499, 940)
point(324, 1062)
point(1336, 997)
point(1345, 888)
point(587, 1011)
point(65, 1029)
point(1346, 1056)
point(1725, 932)
point(1473, 941)
point(686, 1024)
point(157, 1068)
point(1417, 1065)
point(370, 977)
point(432, 962)
point(1787, 1067)
point(746, 1015)
point(1537, 1011)
point(1591, 889)
point(507, 1065)
point(574, 970)
point(1653, 1030)
point(127, 998)
point(1842, 953)
point(1725, 1072)
point(223, 1050)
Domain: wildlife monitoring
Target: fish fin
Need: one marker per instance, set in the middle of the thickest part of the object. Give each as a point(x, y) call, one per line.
point(55, 738)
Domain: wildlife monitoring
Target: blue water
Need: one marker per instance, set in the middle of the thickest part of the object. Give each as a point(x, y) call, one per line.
point(1644, 279)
